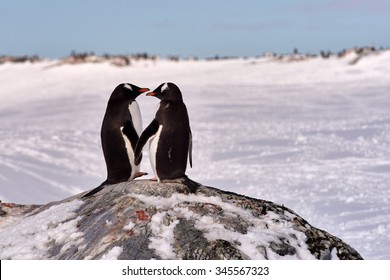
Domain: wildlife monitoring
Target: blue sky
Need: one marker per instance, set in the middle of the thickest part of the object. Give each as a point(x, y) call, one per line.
point(52, 28)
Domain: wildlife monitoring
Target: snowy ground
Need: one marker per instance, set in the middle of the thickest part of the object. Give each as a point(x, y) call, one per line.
point(312, 135)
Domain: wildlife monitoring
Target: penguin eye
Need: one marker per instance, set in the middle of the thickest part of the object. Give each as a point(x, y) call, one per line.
point(128, 86)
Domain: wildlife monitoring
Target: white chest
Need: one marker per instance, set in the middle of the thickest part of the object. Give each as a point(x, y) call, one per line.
point(136, 117)
point(153, 144)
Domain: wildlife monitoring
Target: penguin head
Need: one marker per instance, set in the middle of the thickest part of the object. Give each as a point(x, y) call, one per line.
point(127, 91)
point(168, 92)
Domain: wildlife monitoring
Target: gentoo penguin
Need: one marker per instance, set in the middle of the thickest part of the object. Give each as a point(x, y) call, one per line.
point(121, 128)
point(169, 135)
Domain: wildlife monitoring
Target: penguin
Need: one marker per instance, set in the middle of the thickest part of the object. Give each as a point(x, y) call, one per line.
point(169, 136)
point(120, 131)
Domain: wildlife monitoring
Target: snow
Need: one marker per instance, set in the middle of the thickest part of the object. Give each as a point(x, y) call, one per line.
point(31, 239)
point(129, 226)
point(113, 254)
point(262, 232)
point(162, 236)
point(313, 135)
point(333, 254)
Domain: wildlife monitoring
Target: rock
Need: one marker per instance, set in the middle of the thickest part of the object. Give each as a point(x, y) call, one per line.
point(149, 220)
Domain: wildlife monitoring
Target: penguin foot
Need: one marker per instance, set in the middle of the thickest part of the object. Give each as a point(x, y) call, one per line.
point(140, 174)
point(153, 179)
point(191, 184)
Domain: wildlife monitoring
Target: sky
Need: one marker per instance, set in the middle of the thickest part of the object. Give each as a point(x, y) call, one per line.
point(53, 29)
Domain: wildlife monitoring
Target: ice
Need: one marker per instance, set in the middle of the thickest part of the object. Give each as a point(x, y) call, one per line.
point(313, 135)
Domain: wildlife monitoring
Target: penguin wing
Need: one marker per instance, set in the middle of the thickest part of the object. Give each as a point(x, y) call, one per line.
point(190, 148)
point(149, 132)
point(130, 132)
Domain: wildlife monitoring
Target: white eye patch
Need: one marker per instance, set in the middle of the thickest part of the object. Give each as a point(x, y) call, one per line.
point(164, 87)
point(128, 86)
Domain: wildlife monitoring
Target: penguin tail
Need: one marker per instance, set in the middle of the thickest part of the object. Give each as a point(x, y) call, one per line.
point(95, 190)
point(191, 184)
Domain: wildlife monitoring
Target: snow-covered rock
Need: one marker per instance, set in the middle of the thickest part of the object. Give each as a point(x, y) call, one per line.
point(150, 220)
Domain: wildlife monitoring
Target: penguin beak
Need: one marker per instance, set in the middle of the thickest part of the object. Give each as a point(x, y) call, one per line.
point(142, 90)
point(152, 93)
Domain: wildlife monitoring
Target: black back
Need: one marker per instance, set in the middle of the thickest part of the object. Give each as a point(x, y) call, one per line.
point(118, 119)
point(174, 144)
point(117, 122)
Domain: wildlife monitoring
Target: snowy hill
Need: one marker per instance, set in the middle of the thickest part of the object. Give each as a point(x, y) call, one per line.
point(313, 135)
point(149, 220)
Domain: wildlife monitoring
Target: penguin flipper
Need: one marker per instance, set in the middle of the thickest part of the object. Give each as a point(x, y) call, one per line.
point(190, 149)
point(145, 136)
point(130, 132)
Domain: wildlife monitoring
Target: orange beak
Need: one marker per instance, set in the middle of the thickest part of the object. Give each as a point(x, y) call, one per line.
point(152, 93)
point(142, 90)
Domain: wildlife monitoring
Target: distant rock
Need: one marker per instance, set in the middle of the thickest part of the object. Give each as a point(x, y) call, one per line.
point(115, 60)
point(19, 59)
point(149, 220)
